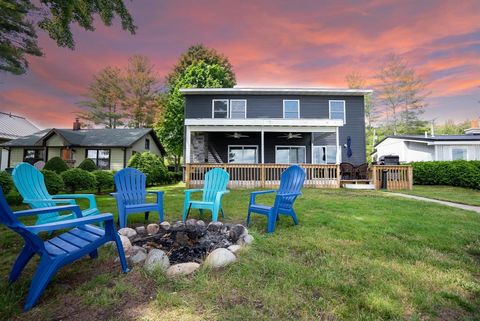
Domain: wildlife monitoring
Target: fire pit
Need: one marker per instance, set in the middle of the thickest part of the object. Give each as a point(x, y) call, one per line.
point(176, 246)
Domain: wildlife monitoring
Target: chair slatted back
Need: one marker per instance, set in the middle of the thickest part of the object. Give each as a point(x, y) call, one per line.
point(291, 181)
point(216, 180)
point(131, 184)
point(30, 183)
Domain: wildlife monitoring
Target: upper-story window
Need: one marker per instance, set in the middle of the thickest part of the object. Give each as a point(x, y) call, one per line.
point(337, 109)
point(291, 109)
point(220, 108)
point(238, 108)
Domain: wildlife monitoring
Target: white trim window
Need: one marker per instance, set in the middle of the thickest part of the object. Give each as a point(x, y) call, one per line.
point(238, 108)
point(324, 154)
point(290, 154)
point(243, 154)
point(291, 108)
point(336, 110)
point(459, 153)
point(220, 108)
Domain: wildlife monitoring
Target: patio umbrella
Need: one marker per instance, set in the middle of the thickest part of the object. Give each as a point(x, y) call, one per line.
point(349, 146)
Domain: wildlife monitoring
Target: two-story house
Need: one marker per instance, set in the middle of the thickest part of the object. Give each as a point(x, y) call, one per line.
point(274, 125)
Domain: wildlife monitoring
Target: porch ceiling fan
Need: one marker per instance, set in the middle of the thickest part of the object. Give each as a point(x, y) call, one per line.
point(290, 136)
point(237, 135)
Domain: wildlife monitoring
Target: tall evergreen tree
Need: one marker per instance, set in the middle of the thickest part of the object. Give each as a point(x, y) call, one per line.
point(105, 96)
point(17, 33)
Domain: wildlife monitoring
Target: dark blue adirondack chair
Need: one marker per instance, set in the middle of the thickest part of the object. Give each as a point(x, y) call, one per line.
point(131, 186)
point(291, 183)
point(80, 240)
point(215, 186)
point(30, 184)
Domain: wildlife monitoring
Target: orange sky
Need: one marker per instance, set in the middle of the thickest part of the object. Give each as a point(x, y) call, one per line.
point(269, 43)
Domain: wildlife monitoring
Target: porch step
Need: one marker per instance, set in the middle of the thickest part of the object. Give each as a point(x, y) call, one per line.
point(360, 186)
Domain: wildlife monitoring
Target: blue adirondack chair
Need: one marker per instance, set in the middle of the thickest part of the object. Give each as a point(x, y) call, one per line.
point(80, 240)
point(131, 186)
point(291, 183)
point(215, 186)
point(30, 184)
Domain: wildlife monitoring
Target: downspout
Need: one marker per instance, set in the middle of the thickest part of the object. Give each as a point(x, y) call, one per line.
point(8, 158)
point(124, 157)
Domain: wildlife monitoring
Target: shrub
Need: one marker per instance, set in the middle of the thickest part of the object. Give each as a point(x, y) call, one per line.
point(453, 173)
point(53, 181)
point(14, 199)
point(88, 165)
point(152, 166)
point(6, 182)
point(78, 179)
point(104, 180)
point(57, 165)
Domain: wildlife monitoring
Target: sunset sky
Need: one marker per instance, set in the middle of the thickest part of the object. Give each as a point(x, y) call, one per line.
point(269, 43)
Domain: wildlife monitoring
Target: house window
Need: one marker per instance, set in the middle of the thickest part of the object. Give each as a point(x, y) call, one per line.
point(238, 108)
point(289, 154)
point(32, 155)
point(324, 154)
point(242, 154)
point(220, 108)
point(291, 109)
point(101, 157)
point(337, 109)
point(147, 144)
point(459, 154)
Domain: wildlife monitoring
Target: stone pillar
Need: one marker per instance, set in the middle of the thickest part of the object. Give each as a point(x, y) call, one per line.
point(198, 151)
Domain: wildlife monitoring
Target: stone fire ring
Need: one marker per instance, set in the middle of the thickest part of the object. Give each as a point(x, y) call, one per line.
point(222, 244)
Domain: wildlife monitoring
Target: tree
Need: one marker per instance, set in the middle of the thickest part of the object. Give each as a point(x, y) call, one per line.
point(18, 36)
point(402, 95)
point(198, 67)
point(140, 103)
point(105, 94)
point(449, 127)
point(198, 75)
point(356, 81)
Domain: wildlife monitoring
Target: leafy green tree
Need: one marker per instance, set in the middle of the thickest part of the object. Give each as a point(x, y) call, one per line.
point(140, 102)
point(18, 36)
point(198, 67)
point(105, 96)
point(450, 127)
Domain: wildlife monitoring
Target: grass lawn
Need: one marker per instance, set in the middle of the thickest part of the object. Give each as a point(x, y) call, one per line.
point(447, 193)
point(356, 255)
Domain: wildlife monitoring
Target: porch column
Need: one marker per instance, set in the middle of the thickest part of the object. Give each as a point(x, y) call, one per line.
point(339, 148)
point(263, 147)
point(188, 145)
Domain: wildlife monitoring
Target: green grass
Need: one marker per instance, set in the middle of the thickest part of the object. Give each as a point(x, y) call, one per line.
point(447, 193)
point(356, 255)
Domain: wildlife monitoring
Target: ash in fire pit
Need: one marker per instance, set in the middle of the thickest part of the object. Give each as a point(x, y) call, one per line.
point(191, 241)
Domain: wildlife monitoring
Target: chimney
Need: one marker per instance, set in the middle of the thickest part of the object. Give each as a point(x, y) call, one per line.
point(76, 124)
point(474, 128)
point(474, 123)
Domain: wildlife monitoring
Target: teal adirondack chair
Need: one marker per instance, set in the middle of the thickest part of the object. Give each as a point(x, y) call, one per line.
point(215, 186)
point(31, 185)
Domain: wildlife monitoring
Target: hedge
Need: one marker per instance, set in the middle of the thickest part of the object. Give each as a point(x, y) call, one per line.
point(53, 181)
point(6, 182)
point(57, 165)
point(104, 180)
point(152, 166)
point(453, 173)
point(88, 165)
point(78, 179)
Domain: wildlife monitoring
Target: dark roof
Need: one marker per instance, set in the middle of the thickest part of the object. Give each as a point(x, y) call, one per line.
point(118, 137)
point(12, 126)
point(276, 91)
point(437, 138)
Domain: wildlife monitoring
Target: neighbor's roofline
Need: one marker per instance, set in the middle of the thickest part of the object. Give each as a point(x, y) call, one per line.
point(272, 90)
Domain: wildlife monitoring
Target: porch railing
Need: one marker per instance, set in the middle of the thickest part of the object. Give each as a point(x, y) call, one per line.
point(397, 177)
point(264, 175)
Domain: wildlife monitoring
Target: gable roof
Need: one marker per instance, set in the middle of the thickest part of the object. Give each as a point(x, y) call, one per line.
point(277, 91)
point(118, 137)
point(439, 138)
point(12, 126)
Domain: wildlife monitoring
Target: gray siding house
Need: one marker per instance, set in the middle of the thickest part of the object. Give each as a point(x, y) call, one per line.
point(274, 125)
